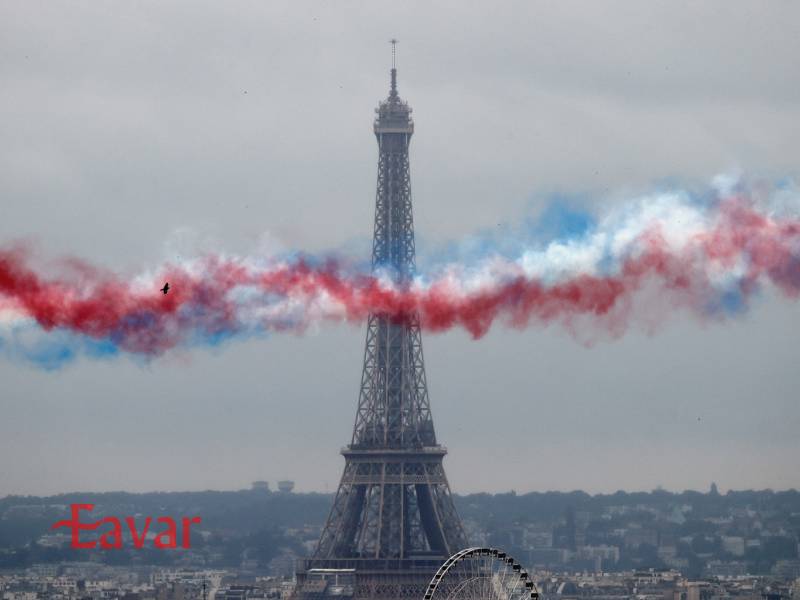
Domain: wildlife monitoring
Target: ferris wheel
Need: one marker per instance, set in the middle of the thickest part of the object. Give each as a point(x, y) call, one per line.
point(481, 574)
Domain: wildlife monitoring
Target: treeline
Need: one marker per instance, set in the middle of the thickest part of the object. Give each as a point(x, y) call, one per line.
point(509, 508)
point(253, 523)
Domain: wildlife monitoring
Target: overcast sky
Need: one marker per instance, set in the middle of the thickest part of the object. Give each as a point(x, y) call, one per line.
point(133, 131)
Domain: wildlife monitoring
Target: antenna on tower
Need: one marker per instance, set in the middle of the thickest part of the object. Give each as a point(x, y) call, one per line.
point(393, 92)
point(393, 42)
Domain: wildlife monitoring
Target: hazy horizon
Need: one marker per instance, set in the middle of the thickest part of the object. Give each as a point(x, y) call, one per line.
point(273, 489)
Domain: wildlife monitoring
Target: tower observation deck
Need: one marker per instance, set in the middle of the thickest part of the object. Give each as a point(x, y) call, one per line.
point(393, 521)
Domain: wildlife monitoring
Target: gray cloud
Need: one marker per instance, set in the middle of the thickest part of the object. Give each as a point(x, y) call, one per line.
point(123, 124)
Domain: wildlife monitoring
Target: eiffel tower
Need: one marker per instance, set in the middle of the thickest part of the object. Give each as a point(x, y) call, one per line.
point(393, 521)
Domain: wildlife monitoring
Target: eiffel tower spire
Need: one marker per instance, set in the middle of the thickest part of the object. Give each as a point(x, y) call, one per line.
point(393, 518)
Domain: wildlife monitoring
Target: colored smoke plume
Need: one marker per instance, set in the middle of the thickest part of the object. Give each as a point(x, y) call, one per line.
point(707, 254)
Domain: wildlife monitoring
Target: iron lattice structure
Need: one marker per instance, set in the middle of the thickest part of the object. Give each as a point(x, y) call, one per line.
point(393, 521)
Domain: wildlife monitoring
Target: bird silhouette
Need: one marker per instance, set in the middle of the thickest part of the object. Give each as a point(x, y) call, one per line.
point(165, 289)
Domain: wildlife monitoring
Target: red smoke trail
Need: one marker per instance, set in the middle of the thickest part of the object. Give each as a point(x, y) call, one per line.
point(101, 306)
point(744, 245)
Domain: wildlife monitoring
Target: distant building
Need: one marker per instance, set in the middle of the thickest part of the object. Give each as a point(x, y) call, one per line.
point(285, 486)
point(639, 536)
point(787, 569)
point(260, 485)
point(733, 545)
point(547, 557)
point(607, 553)
point(719, 568)
point(564, 536)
